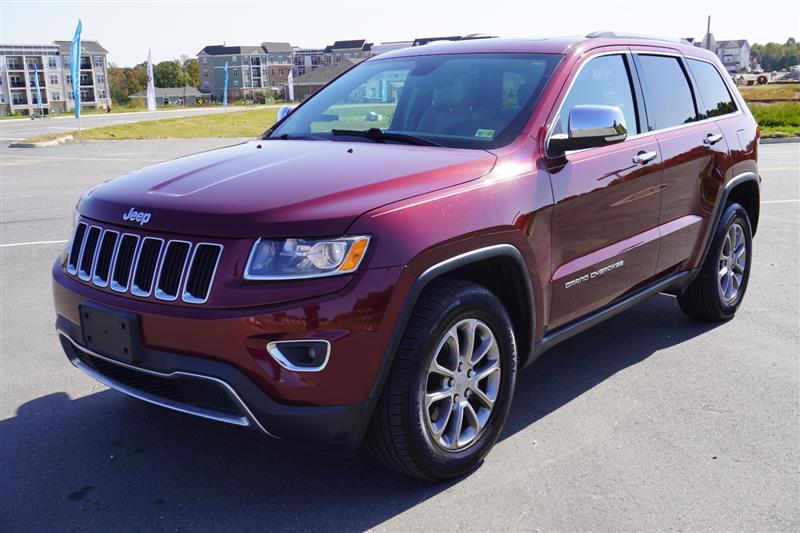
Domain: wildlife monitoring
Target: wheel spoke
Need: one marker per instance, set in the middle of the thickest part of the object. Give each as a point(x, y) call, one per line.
point(483, 397)
point(455, 423)
point(481, 351)
point(437, 396)
point(442, 370)
point(486, 371)
point(467, 331)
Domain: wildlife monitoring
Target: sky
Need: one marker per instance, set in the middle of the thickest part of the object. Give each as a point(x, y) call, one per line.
point(127, 29)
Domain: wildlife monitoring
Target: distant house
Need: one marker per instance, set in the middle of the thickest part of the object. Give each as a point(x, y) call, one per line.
point(172, 95)
point(313, 80)
point(420, 41)
point(735, 55)
point(352, 49)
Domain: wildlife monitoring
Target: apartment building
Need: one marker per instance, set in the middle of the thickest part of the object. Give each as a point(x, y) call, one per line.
point(252, 70)
point(352, 49)
point(19, 64)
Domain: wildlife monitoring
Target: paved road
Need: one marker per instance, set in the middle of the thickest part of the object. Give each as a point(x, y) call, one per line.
point(651, 421)
point(16, 129)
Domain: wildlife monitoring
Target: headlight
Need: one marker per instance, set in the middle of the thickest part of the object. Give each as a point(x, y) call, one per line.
point(302, 258)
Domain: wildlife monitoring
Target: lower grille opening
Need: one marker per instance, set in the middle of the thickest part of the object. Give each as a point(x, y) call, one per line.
point(194, 392)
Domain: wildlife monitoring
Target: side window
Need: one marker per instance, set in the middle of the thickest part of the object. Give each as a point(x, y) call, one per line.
point(668, 97)
point(714, 93)
point(602, 81)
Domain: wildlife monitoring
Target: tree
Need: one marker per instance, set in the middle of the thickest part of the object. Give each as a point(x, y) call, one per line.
point(169, 74)
point(775, 56)
point(192, 69)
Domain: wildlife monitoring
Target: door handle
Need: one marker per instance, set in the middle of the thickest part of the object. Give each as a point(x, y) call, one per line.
point(712, 139)
point(642, 158)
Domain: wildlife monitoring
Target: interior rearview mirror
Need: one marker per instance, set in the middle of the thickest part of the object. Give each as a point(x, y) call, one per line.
point(590, 126)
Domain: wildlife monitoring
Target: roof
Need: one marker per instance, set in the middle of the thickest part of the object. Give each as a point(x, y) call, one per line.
point(91, 47)
point(738, 43)
point(277, 47)
point(555, 45)
point(324, 74)
point(162, 92)
point(222, 50)
point(360, 44)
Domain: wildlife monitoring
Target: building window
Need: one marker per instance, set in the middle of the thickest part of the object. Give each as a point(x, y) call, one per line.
point(53, 79)
point(205, 85)
point(101, 78)
point(101, 93)
point(51, 62)
point(68, 78)
point(98, 61)
point(205, 61)
point(205, 73)
point(69, 95)
point(55, 95)
point(85, 80)
point(66, 62)
point(234, 59)
point(2, 98)
point(85, 95)
point(235, 73)
point(236, 83)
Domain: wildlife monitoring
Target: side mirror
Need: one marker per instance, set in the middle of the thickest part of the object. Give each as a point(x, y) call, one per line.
point(283, 111)
point(590, 126)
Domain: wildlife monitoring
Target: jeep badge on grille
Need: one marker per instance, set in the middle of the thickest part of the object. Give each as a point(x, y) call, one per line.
point(137, 216)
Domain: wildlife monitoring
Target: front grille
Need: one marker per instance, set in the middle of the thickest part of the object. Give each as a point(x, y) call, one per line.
point(145, 266)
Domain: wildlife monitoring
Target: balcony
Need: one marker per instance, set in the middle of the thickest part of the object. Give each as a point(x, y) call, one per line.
point(19, 101)
point(17, 84)
point(86, 64)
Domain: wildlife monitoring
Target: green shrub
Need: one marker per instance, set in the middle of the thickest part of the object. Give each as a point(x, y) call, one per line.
point(777, 115)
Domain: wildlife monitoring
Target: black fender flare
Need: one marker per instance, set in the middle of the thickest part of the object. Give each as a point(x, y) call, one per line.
point(435, 271)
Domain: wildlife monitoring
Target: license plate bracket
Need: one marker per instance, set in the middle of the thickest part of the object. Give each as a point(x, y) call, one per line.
point(110, 332)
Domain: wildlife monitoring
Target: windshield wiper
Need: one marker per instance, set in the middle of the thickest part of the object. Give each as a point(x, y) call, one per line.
point(378, 135)
point(287, 137)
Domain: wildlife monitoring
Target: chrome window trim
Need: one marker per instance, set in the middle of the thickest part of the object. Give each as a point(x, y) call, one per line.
point(642, 135)
point(249, 419)
point(74, 271)
point(113, 284)
point(188, 298)
point(158, 293)
point(95, 281)
point(88, 276)
point(135, 290)
point(274, 350)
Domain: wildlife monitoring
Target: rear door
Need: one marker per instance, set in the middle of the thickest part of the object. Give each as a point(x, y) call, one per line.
point(604, 234)
point(694, 151)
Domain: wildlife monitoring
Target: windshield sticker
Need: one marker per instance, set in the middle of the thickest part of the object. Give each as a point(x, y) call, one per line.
point(484, 134)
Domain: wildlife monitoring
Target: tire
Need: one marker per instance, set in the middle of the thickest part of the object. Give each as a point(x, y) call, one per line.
point(709, 296)
point(402, 433)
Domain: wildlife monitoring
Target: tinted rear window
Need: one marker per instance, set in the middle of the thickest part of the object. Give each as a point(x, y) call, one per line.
point(667, 94)
point(716, 100)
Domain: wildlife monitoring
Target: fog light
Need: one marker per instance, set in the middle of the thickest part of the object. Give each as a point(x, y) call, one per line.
point(301, 355)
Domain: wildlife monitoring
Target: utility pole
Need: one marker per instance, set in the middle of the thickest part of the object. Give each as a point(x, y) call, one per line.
point(707, 43)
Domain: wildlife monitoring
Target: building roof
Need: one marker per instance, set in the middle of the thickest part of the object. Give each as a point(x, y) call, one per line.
point(223, 50)
point(277, 47)
point(91, 47)
point(360, 44)
point(324, 74)
point(738, 43)
point(167, 92)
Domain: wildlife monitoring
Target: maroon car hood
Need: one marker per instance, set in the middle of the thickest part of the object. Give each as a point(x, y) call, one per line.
point(279, 188)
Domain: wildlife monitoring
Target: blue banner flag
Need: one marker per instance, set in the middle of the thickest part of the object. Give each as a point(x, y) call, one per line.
point(36, 83)
point(225, 89)
point(75, 68)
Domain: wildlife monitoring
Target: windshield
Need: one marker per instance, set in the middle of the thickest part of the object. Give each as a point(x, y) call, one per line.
point(460, 100)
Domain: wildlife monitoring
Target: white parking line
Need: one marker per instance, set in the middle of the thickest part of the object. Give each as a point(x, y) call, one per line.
point(32, 243)
point(57, 158)
point(780, 201)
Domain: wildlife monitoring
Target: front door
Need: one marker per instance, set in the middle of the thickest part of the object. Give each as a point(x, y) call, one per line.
point(604, 235)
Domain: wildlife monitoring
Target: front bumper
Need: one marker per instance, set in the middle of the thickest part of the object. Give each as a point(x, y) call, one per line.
point(218, 391)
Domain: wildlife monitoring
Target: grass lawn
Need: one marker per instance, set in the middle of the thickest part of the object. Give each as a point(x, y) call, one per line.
point(780, 119)
point(234, 123)
point(774, 91)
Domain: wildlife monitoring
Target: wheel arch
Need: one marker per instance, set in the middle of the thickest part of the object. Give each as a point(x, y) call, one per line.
point(480, 266)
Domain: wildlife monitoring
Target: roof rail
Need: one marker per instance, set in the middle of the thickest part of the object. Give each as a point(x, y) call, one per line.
point(615, 35)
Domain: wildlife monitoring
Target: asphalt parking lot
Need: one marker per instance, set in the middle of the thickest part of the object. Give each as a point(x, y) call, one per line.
point(649, 421)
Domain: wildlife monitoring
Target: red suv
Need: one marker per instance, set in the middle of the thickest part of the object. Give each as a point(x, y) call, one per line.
point(383, 261)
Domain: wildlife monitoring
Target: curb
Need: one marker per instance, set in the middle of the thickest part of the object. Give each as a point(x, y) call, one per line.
point(779, 140)
point(42, 144)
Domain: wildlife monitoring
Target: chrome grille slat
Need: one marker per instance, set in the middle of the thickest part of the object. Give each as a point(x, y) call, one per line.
point(173, 268)
point(143, 266)
point(147, 262)
point(86, 260)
